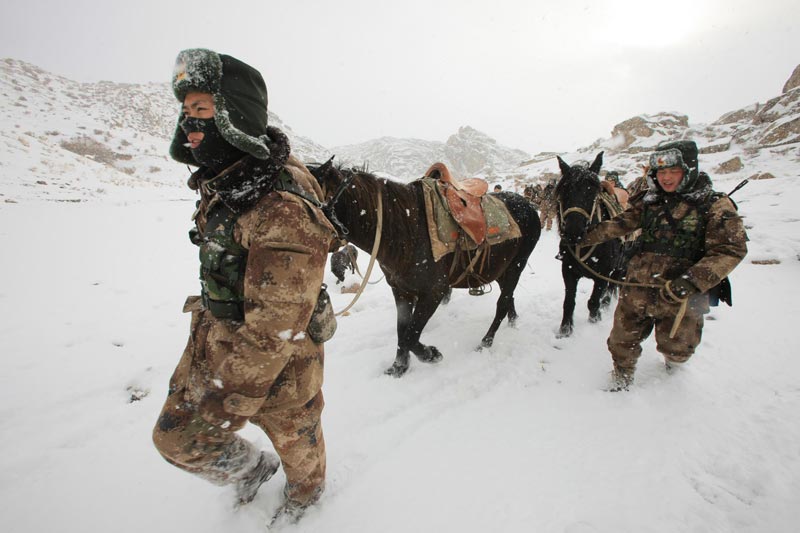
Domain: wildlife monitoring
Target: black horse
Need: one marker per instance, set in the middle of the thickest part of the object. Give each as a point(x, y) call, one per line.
point(418, 282)
point(579, 206)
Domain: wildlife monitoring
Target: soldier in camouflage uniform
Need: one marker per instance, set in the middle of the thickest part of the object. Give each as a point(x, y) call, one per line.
point(692, 238)
point(255, 351)
point(613, 185)
point(547, 205)
point(533, 194)
point(639, 184)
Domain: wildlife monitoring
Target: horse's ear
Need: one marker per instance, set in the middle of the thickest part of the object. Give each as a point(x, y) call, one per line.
point(598, 162)
point(320, 171)
point(565, 168)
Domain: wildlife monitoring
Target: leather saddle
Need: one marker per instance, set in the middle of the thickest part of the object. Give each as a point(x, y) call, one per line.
point(464, 200)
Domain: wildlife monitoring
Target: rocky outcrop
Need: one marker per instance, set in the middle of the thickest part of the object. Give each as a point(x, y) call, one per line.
point(471, 153)
point(731, 165)
point(794, 80)
point(648, 130)
point(762, 176)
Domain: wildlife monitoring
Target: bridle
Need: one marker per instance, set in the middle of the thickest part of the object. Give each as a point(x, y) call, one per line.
point(329, 211)
point(597, 214)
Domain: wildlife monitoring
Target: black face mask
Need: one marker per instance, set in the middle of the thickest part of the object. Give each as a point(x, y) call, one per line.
point(213, 151)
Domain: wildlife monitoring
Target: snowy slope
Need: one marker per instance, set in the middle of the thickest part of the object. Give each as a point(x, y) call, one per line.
point(517, 438)
point(67, 141)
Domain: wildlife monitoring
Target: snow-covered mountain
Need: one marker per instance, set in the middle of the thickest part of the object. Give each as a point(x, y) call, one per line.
point(65, 140)
point(467, 153)
point(744, 143)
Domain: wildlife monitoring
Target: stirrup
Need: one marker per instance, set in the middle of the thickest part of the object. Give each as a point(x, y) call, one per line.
point(477, 291)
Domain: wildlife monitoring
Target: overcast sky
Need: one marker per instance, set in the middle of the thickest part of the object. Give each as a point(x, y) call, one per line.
point(539, 75)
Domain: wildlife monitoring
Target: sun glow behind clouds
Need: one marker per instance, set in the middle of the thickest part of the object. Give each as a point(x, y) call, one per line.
point(648, 24)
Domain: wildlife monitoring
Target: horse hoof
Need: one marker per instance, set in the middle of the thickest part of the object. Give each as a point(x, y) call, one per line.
point(595, 318)
point(396, 370)
point(430, 355)
point(486, 342)
point(563, 332)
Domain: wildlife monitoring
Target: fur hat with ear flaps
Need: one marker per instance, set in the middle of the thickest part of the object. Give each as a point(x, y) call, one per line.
point(682, 153)
point(240, 101)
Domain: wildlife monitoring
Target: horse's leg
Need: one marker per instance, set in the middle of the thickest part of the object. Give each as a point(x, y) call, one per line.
point(447, 295)
point(605, 299)
point(505, 303)
point(598, 292)
point(413, 313)
point(570, 289)
point(404, 302)
point(426, 305)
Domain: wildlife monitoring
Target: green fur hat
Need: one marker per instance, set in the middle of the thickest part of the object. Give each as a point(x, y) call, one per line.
point(240, 100)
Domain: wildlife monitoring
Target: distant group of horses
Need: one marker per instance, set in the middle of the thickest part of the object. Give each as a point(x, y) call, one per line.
point(419, 283)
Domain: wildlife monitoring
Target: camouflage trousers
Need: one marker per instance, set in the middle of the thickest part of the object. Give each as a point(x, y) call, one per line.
point(547, 215)
point(640, 311)
point(219, 455)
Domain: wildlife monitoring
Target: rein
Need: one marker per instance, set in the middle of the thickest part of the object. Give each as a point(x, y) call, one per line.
point(375, 247)
point(582, 261)
point(358, 270)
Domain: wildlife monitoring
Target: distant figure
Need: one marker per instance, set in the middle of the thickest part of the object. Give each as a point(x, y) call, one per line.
point(613, 185)
point(639, 184)
point(343, 259)
point(547, 205)
point(498, 188)
point(533, 193)
point(613, 176)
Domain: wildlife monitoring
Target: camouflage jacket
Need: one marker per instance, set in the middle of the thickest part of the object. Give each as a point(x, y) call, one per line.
point(266, 361)
point(712, 218)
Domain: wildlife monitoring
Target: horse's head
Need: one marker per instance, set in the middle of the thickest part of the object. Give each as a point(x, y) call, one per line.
point(328, 176)
point(576, 193)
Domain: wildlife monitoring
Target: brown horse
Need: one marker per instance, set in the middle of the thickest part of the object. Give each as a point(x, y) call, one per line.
point(418, 282)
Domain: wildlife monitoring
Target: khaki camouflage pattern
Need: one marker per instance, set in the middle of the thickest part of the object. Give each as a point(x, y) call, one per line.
point(548, 207)
point(264, 369)
point(638, 185)
point(640, 310)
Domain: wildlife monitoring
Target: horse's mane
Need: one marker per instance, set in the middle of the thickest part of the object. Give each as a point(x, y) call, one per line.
point(373, 183)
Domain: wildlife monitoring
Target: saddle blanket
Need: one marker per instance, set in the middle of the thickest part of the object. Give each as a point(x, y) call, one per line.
point(444, 231)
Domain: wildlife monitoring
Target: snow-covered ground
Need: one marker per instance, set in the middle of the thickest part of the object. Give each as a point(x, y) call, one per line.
point(520, 437)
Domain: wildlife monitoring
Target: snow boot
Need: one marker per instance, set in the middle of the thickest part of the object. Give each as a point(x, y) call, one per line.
point(291, 511)
point(673, 366)
point(247, 487)
point(620, 381)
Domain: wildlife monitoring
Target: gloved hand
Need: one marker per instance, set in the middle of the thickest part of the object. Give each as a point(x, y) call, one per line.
point(678, 290)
